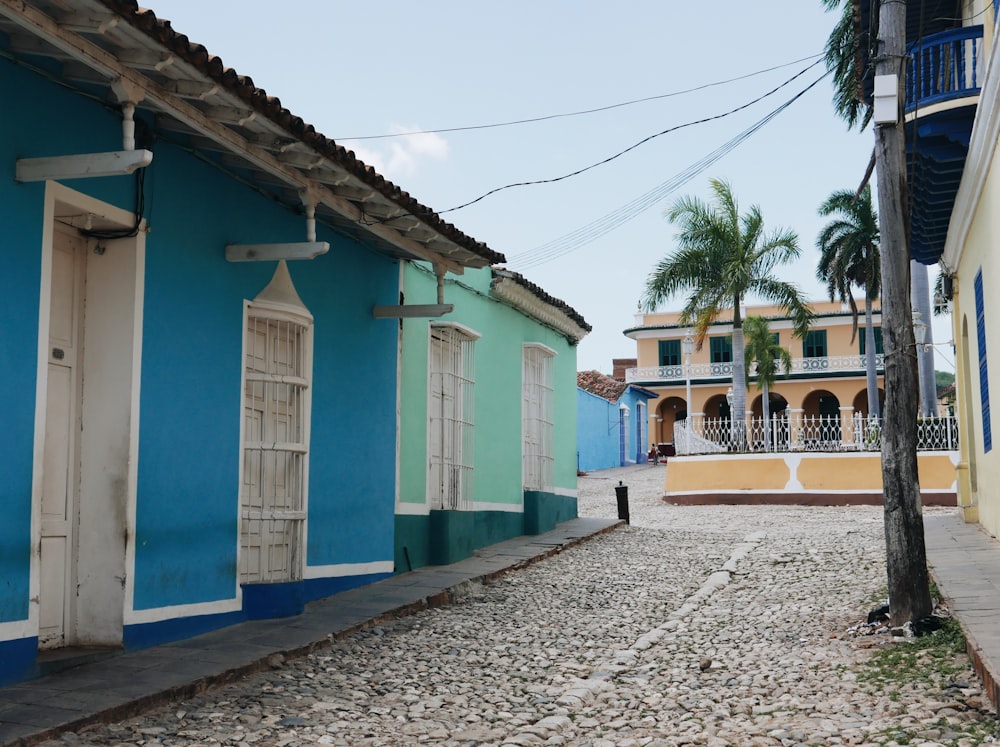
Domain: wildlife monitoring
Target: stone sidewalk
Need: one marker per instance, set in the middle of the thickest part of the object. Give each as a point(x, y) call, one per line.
point(965, 563)
point(120, 686)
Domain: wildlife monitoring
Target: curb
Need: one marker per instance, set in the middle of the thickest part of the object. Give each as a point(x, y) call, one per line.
point(279, 657)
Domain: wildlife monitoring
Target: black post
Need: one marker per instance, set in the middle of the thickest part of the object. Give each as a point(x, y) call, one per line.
point(621, 492)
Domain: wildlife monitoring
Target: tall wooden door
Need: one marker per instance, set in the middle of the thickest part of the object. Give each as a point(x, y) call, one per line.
point(61, 465)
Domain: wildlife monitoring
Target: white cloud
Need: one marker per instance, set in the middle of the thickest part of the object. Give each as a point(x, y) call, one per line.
point(401, 157)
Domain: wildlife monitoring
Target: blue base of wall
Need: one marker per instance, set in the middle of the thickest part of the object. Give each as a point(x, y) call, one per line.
point(445, 537)
point(264, 601)
point(320, 588)
point(18, 660)
point(260, 601)
point(145, 635)
point(542, 511)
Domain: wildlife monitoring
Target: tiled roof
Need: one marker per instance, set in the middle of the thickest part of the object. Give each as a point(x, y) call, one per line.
point(228, 120)
point(598, 384)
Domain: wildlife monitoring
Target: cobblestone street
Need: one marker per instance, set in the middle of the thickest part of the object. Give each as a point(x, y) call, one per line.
point(693, 626)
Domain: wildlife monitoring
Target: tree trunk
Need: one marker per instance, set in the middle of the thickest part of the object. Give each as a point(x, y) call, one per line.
point(871, 371)
point(766, 412)
point(909, 593)
point(738, 411)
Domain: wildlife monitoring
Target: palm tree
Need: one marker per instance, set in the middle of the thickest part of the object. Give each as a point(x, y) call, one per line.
point(849, 257)
point(721, 258)
point(841, 58)
point(762, 347)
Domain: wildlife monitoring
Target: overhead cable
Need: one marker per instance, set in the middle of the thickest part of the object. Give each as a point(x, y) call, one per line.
point(596, 229)
point(581, 112)
point(632, 147)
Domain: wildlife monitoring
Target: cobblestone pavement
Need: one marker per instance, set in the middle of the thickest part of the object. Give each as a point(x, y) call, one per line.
point(693, 626)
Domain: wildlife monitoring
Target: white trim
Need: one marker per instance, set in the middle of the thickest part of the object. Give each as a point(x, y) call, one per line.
point(802, 491)
point(18, 629)
point(409, 508)
point(532, 306)
point(399, 394)
point(507, 508)
point(58, 194)
point(978, 162)
point(540, 346)
point(180, 611)
point(421, 509)
point(720, 330)
point(467, 331)
point(343, 570)
point(278, 301)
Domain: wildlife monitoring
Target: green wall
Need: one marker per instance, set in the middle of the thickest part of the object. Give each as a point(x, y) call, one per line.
point(497, 416)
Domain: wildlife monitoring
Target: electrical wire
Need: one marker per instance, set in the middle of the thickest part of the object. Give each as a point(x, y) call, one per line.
point(582, 111)
point(632, 147)
point(579, 238)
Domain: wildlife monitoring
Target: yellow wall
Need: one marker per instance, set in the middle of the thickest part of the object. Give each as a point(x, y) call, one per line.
point(979, 253)
point(801, 394)
point(798, 474)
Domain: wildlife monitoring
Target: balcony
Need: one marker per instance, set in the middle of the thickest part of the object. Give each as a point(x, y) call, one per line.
point(943, 80)
point(702, 372)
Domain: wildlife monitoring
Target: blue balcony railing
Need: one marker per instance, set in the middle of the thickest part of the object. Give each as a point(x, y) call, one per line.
point(944, 66)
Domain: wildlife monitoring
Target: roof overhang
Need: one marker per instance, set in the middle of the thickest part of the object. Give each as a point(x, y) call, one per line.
point(532, 301)
point(104, 47)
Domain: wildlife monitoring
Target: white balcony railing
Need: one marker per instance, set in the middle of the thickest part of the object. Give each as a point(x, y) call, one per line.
point(724, 371)
point(799, 432)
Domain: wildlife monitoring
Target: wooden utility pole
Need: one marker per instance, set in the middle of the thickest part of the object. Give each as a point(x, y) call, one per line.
point(906, 560)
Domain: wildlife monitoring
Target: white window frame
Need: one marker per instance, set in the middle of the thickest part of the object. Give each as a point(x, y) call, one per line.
point(451, 367)
point(279, 521)
point(537, 416)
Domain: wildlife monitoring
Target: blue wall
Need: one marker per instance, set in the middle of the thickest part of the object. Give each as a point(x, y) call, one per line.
point(598, 432)
point(187, 513)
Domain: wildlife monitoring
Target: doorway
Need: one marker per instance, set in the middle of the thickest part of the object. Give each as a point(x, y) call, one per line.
point(86, 437)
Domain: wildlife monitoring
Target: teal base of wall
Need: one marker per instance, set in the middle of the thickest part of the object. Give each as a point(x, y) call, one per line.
point(542, 511)
point(446, 537)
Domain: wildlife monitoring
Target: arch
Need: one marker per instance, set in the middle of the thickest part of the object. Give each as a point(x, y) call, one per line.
point(820, 418)
point(716, 407)
point(776, 402)
point(821, 402)
point(767, 437)
point(860, 401)
point(668, 411)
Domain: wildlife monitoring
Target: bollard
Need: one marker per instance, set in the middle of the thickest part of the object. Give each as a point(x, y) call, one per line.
point(621, 492)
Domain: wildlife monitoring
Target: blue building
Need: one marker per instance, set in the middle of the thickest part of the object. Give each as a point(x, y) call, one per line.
point(612, 422)
point(191, 276)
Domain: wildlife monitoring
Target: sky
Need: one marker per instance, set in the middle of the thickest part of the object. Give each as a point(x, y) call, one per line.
point(660, 71)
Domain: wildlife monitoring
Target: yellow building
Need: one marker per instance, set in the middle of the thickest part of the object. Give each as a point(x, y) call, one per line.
point(817, 402)
point(968, 260)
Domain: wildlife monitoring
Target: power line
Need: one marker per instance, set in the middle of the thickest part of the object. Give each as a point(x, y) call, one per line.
point(634, 146)
point(582, 236)
point(582, 111)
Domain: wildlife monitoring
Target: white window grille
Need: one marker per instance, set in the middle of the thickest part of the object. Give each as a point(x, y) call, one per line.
point(275, 445)
point(450, 417)
point(536, 417)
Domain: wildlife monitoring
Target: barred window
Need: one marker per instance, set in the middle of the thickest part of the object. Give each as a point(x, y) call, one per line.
point(451, 376)
point(537, 417)
point(275, 445)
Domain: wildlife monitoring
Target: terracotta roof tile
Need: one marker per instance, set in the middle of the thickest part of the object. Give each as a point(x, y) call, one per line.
point(603, 386)
point(270, 106)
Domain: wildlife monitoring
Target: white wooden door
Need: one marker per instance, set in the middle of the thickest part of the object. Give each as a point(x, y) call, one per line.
point(61, 465)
